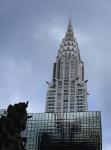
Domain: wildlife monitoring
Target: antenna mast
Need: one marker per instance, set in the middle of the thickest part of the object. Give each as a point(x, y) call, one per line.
point(71, 9)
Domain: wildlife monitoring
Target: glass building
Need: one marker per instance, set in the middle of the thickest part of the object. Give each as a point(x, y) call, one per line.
point(64, 131)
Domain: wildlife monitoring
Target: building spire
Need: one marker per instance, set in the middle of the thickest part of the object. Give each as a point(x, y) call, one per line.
point(69, 28)
point(69, 43)
point(70, 24)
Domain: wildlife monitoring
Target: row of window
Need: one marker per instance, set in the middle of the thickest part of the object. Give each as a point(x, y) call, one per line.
point(66, 107)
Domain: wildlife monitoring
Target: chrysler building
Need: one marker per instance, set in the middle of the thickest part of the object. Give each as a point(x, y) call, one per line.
point(68, 90)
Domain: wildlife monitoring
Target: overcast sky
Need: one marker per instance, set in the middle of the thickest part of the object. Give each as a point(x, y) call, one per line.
point(30, 35)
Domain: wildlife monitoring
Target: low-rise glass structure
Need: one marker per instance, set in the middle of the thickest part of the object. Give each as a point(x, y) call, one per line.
point(64, 131)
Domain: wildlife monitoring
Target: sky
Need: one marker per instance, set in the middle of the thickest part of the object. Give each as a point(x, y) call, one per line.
point(30, 34)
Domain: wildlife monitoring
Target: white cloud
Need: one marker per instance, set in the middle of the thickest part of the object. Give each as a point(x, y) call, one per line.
point(83, 38)
point(11, 68)
point(56, 32)
point(53, 33)
point(107, 146)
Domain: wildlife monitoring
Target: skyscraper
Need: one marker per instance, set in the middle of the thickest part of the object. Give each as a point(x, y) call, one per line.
point(68, 91)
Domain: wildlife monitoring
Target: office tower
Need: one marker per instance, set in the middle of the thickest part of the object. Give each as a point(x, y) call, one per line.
point(68, 90)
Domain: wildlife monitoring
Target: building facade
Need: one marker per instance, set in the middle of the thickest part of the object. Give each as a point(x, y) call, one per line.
point(68, 90)
point(64, 131)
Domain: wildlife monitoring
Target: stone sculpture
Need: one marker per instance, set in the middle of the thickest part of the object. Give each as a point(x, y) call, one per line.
point(11, 127)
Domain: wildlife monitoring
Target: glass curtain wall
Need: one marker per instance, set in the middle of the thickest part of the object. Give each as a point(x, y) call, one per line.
point(64, 131)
